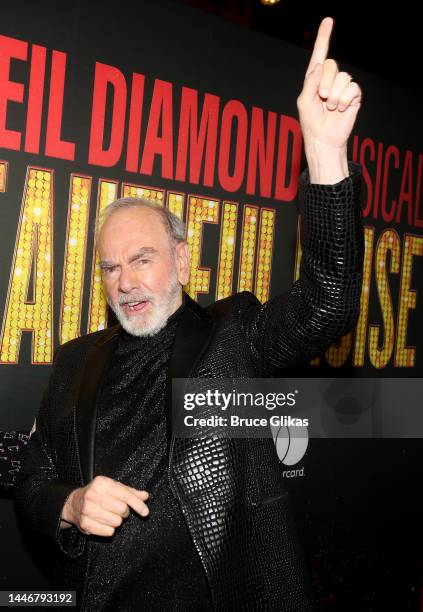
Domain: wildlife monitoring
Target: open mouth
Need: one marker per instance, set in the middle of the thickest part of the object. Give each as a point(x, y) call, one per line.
point(132, 307)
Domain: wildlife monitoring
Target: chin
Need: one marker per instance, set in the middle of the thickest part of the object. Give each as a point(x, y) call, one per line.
point(140, 328)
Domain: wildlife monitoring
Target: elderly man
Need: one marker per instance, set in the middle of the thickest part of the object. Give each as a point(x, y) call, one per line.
point(147, 521)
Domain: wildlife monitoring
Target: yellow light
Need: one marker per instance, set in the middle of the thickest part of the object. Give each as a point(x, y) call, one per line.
point(268, 2)
point(97, 310)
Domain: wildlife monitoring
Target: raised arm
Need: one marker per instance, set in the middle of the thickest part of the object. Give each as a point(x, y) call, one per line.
point(324, 303)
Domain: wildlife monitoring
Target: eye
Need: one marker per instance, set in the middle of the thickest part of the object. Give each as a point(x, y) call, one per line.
point(108, 269)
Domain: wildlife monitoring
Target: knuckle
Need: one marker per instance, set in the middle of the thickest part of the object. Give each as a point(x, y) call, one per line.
point(85, 508)
point(331, 63)
point(88, 502)
point(89, 496)
point(92, 486)
point(84, 524)
point(108, 530)
point(126, 511)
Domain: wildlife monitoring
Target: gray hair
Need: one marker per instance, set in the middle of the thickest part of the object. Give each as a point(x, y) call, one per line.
point(173, 224)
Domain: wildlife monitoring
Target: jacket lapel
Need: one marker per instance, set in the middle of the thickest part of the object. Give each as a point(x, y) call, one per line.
point(193, 335)
point(86, 411)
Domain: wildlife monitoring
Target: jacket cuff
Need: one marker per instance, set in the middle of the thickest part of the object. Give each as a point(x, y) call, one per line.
point(324, 209)
point(70, 541)
point(354, 176)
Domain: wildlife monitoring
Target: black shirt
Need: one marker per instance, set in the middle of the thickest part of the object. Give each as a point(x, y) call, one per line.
point(150, 563)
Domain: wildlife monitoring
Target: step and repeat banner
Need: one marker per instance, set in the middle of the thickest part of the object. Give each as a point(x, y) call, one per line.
point(99, 101)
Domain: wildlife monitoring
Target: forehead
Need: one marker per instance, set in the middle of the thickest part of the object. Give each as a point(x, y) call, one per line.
point(133, 225)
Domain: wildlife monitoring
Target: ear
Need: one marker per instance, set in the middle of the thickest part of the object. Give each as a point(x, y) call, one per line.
point(182, 262)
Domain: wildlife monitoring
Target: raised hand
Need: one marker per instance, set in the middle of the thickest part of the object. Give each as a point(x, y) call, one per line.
point(327, 106)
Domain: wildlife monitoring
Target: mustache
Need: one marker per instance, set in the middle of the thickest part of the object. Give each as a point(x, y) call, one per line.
point(136, 297)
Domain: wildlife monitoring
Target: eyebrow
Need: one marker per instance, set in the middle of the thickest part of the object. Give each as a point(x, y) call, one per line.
point(140, 253)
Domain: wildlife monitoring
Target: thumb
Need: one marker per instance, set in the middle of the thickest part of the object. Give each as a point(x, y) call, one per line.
point(311, 86)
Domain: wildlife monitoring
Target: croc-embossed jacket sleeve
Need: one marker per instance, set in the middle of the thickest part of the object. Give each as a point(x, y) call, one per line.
point(290, 329)
point(39, 492)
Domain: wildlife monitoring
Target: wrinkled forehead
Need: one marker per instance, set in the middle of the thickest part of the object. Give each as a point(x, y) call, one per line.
point(138, 226)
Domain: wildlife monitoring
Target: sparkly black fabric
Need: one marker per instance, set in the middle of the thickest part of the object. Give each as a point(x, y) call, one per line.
point(150, 563)
point(12, 447)
point(231, 491)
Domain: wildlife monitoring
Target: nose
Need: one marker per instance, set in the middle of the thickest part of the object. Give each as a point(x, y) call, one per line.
point(128, 280)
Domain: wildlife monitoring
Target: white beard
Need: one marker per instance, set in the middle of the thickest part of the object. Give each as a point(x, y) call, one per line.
point(148, 324)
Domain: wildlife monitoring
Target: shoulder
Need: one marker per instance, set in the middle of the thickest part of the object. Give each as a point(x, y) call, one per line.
point(233, 305)
point(78, 347)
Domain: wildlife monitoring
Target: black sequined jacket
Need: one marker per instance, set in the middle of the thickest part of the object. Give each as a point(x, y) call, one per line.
point(231, 491)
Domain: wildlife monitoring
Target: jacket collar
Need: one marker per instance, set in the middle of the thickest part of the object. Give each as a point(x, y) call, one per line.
point(193, 334)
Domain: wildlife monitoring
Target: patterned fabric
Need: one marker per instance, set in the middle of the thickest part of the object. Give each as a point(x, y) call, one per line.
point(231, 491)
point(12, 449)
point(165, 572)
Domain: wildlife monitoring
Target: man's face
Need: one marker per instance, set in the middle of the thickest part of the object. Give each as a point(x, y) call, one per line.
point(143, 270)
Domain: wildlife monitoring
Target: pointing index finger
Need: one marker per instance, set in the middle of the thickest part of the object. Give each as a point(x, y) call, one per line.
point(126, 494)
point(321, 45)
